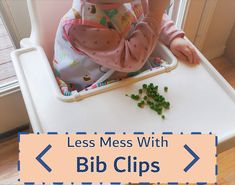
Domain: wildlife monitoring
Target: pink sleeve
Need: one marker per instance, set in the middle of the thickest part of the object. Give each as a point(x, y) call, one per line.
point(168, 31)
point(144, 4)
point(108, 48)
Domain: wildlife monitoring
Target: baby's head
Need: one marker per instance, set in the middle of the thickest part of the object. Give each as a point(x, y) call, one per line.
point(108, 1)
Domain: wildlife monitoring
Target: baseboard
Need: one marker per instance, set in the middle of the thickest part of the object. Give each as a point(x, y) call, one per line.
point(226, 145)
point(229, 53)
point(214, 52)
point(13, 132)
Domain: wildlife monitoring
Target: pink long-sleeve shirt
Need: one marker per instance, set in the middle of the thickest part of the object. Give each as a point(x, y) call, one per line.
point(108, 48)
point(105, 47)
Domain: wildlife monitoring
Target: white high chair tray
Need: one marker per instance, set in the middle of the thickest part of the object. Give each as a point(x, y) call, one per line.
point(202, 101)
point(169, 63)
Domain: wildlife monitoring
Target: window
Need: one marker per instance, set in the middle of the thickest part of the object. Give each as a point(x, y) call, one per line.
point(7, 73)
point(12, 109)
point(177, 10)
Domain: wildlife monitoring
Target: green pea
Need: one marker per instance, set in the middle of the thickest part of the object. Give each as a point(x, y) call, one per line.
point(149, 102)
point(152, 107)
point(140, 105)
point(135, 97)
point(152, 98)
point(166, 89)
point(167, 105)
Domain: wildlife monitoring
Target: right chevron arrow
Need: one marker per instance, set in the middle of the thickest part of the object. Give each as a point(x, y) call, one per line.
point(196, 158)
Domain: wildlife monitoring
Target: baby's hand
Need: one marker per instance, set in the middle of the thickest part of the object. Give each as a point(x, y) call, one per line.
point(182, 49)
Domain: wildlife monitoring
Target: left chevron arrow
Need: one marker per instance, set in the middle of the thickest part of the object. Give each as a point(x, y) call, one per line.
point(39, 158)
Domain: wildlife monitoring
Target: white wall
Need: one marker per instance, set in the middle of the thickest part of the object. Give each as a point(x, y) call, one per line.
point(193, 18)
point(219, 29)
point(12, 112)
point(230, 48)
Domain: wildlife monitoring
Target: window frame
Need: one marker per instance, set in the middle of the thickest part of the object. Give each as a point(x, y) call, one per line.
point(177, 11)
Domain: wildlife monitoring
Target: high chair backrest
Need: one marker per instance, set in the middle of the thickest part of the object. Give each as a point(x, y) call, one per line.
point(45, 16)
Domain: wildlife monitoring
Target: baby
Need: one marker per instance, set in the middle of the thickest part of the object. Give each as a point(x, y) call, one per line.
point(107, 39)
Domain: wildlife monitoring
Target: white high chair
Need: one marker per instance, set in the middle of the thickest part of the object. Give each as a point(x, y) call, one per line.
point(202, 101)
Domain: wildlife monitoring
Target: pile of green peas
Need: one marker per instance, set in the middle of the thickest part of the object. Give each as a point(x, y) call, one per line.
point(148, 95)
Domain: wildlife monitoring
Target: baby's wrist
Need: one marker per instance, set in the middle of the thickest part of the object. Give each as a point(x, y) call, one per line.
point(175, 39)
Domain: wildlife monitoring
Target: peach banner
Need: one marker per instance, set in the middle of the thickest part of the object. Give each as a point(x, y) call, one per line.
point(117, 158)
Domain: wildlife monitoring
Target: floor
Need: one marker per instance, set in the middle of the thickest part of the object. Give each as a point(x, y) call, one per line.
point(226, 69)
point(7, 73)
point(8, 170)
